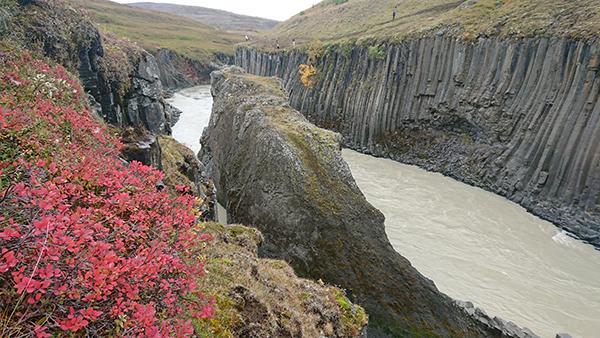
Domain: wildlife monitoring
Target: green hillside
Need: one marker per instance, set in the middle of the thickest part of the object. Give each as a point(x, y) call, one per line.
point(153, 30)
point(213, 17)
point(336, 20)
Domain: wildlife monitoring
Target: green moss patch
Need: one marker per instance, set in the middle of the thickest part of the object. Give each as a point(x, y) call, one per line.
point(266, 294)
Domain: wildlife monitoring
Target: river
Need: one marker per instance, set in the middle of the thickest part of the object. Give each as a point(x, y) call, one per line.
point(473, 244)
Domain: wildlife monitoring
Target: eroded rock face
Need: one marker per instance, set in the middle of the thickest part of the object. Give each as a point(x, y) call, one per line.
point(142, 106)
point(276, 171)
point(145, 105)
point(520, 118)
point(178, 72)
point(141, 146)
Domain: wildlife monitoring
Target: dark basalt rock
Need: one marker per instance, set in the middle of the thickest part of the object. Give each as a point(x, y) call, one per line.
point(276, 171)
point(145, 105)
point(178, 72)
point(563, 335)
point(520, 118)
point(142, 106)
point(141, 146)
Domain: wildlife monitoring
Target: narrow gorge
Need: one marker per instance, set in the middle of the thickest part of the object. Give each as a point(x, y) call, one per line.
point(518, 117)
point(364, 168)
point(275, 170)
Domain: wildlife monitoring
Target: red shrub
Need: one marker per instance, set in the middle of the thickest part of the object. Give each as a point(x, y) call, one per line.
point(87, 242)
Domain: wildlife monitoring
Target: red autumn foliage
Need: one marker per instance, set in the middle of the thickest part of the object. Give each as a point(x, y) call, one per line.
point(88, 244)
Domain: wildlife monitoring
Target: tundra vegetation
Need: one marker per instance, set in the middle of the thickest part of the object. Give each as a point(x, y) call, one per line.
point(94, 245)
point(88, 242)
point(153, 30)
point(364, 21)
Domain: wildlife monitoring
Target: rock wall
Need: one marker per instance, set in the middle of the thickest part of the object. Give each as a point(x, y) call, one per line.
point(141, 105)
point(178, 72)
point(128, 91)
point(520, 118)
point(276, 171)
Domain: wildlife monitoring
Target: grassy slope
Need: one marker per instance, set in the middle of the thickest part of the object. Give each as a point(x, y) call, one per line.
point(213, 17)
point(336, 20)
point(153, 30)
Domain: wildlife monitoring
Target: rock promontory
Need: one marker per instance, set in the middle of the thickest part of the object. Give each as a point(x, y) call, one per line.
point(278, 172)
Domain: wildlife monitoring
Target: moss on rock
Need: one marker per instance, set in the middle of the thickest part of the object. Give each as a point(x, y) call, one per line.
point(263, 297)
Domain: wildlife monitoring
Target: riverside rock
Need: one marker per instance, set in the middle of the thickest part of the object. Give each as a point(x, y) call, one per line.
point(276, 171)
point(518, 117)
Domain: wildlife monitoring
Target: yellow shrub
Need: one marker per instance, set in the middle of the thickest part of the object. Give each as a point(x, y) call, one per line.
point(308, 75)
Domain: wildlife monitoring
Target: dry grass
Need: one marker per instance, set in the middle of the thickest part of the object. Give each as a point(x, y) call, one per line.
point(153, 30)
point(173, 157)
point(264, 294)
point(367, 19)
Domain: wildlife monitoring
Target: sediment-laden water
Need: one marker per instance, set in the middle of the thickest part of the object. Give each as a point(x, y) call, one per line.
point(196, 105)
point(481, 247)
point(474, 245)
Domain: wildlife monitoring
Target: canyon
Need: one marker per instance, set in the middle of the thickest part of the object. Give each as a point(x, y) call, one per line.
point(505, 104)
point(312, 213)
point(518, 117)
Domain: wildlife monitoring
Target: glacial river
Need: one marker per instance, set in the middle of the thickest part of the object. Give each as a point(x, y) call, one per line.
point(473, 244)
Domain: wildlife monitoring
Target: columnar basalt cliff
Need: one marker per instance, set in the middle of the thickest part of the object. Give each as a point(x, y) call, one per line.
point(519, 117)
point(276, 171)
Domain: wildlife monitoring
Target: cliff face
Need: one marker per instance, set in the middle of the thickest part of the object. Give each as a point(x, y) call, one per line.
point(177, 71)
point(122, 80)
point(520, 118)
point(121, 77)
point(135, 100)
point(276, 171)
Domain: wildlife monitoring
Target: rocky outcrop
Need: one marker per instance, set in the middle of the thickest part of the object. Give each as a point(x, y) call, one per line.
point(520, 117)
point(276, 171)
point(258, 297)
point(181, 167)
point(137, 104)
point(127, 89)
point(141, 146)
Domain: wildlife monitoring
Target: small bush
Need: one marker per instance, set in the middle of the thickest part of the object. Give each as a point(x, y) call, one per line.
point(308, 75)
point(88, 245)
point(377, 53)
point(315, 52)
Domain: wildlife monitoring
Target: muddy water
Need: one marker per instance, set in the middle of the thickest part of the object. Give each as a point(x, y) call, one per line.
point(195, 104)
point(481, 247)
point(475, 245)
